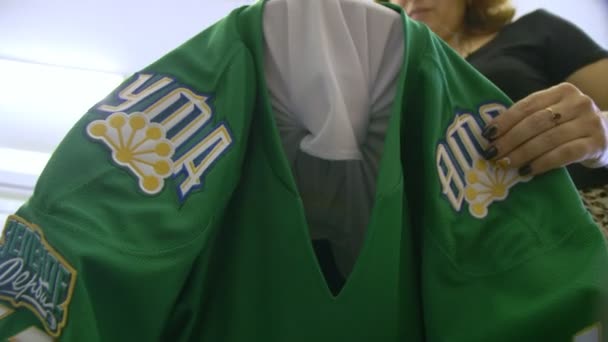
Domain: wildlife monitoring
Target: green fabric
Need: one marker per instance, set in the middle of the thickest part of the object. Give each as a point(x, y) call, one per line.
point(230, 259)
point(534, 269)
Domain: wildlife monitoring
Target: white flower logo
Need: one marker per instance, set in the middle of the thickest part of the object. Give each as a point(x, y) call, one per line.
point(488, 182)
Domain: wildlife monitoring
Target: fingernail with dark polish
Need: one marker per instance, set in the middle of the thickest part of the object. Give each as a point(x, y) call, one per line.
point(525, 170)
point(490, 153)
point(489, 132)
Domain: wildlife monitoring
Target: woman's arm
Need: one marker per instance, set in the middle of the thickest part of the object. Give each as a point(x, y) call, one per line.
point(592, 80)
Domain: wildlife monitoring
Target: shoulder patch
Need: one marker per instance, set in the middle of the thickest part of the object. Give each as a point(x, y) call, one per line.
point(463, 173)
point(34, 275)
point(157, 128)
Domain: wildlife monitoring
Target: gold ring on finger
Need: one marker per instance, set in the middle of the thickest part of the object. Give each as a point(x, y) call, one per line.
point(555, 117)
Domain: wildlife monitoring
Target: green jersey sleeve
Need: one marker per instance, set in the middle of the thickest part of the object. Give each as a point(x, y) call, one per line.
point(104, 245)
point(504, 257)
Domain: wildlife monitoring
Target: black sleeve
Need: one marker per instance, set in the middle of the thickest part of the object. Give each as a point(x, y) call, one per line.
point(568, 48)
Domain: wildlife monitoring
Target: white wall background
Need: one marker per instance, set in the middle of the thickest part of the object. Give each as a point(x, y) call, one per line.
point(110, 39)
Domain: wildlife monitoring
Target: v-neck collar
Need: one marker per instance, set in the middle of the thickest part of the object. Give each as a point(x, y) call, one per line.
point(390, 173)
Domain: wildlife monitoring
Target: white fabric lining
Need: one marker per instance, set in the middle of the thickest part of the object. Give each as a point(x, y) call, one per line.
point(331, 68)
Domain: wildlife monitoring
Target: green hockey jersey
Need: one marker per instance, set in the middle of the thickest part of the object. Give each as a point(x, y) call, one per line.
point(169, 212)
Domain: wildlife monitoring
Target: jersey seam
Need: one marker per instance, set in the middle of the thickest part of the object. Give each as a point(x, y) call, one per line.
point(549, 248)
point(429, 57)
point(192, 239)
point(47, 204)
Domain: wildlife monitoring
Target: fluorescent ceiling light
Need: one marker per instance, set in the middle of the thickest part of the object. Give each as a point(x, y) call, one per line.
point(51, 90)
point(23, 162)
point(40, 103)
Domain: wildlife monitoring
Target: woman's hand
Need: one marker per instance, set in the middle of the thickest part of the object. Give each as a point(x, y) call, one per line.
point(549, 129)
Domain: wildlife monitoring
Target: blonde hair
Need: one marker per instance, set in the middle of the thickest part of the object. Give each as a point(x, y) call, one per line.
point(488, 16)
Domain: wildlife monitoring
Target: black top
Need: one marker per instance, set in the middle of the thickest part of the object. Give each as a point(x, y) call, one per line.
point(538, 51)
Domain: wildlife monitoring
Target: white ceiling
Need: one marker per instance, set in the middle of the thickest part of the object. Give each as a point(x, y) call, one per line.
point(125, 35)
point(110, 35)
point(115, 36)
